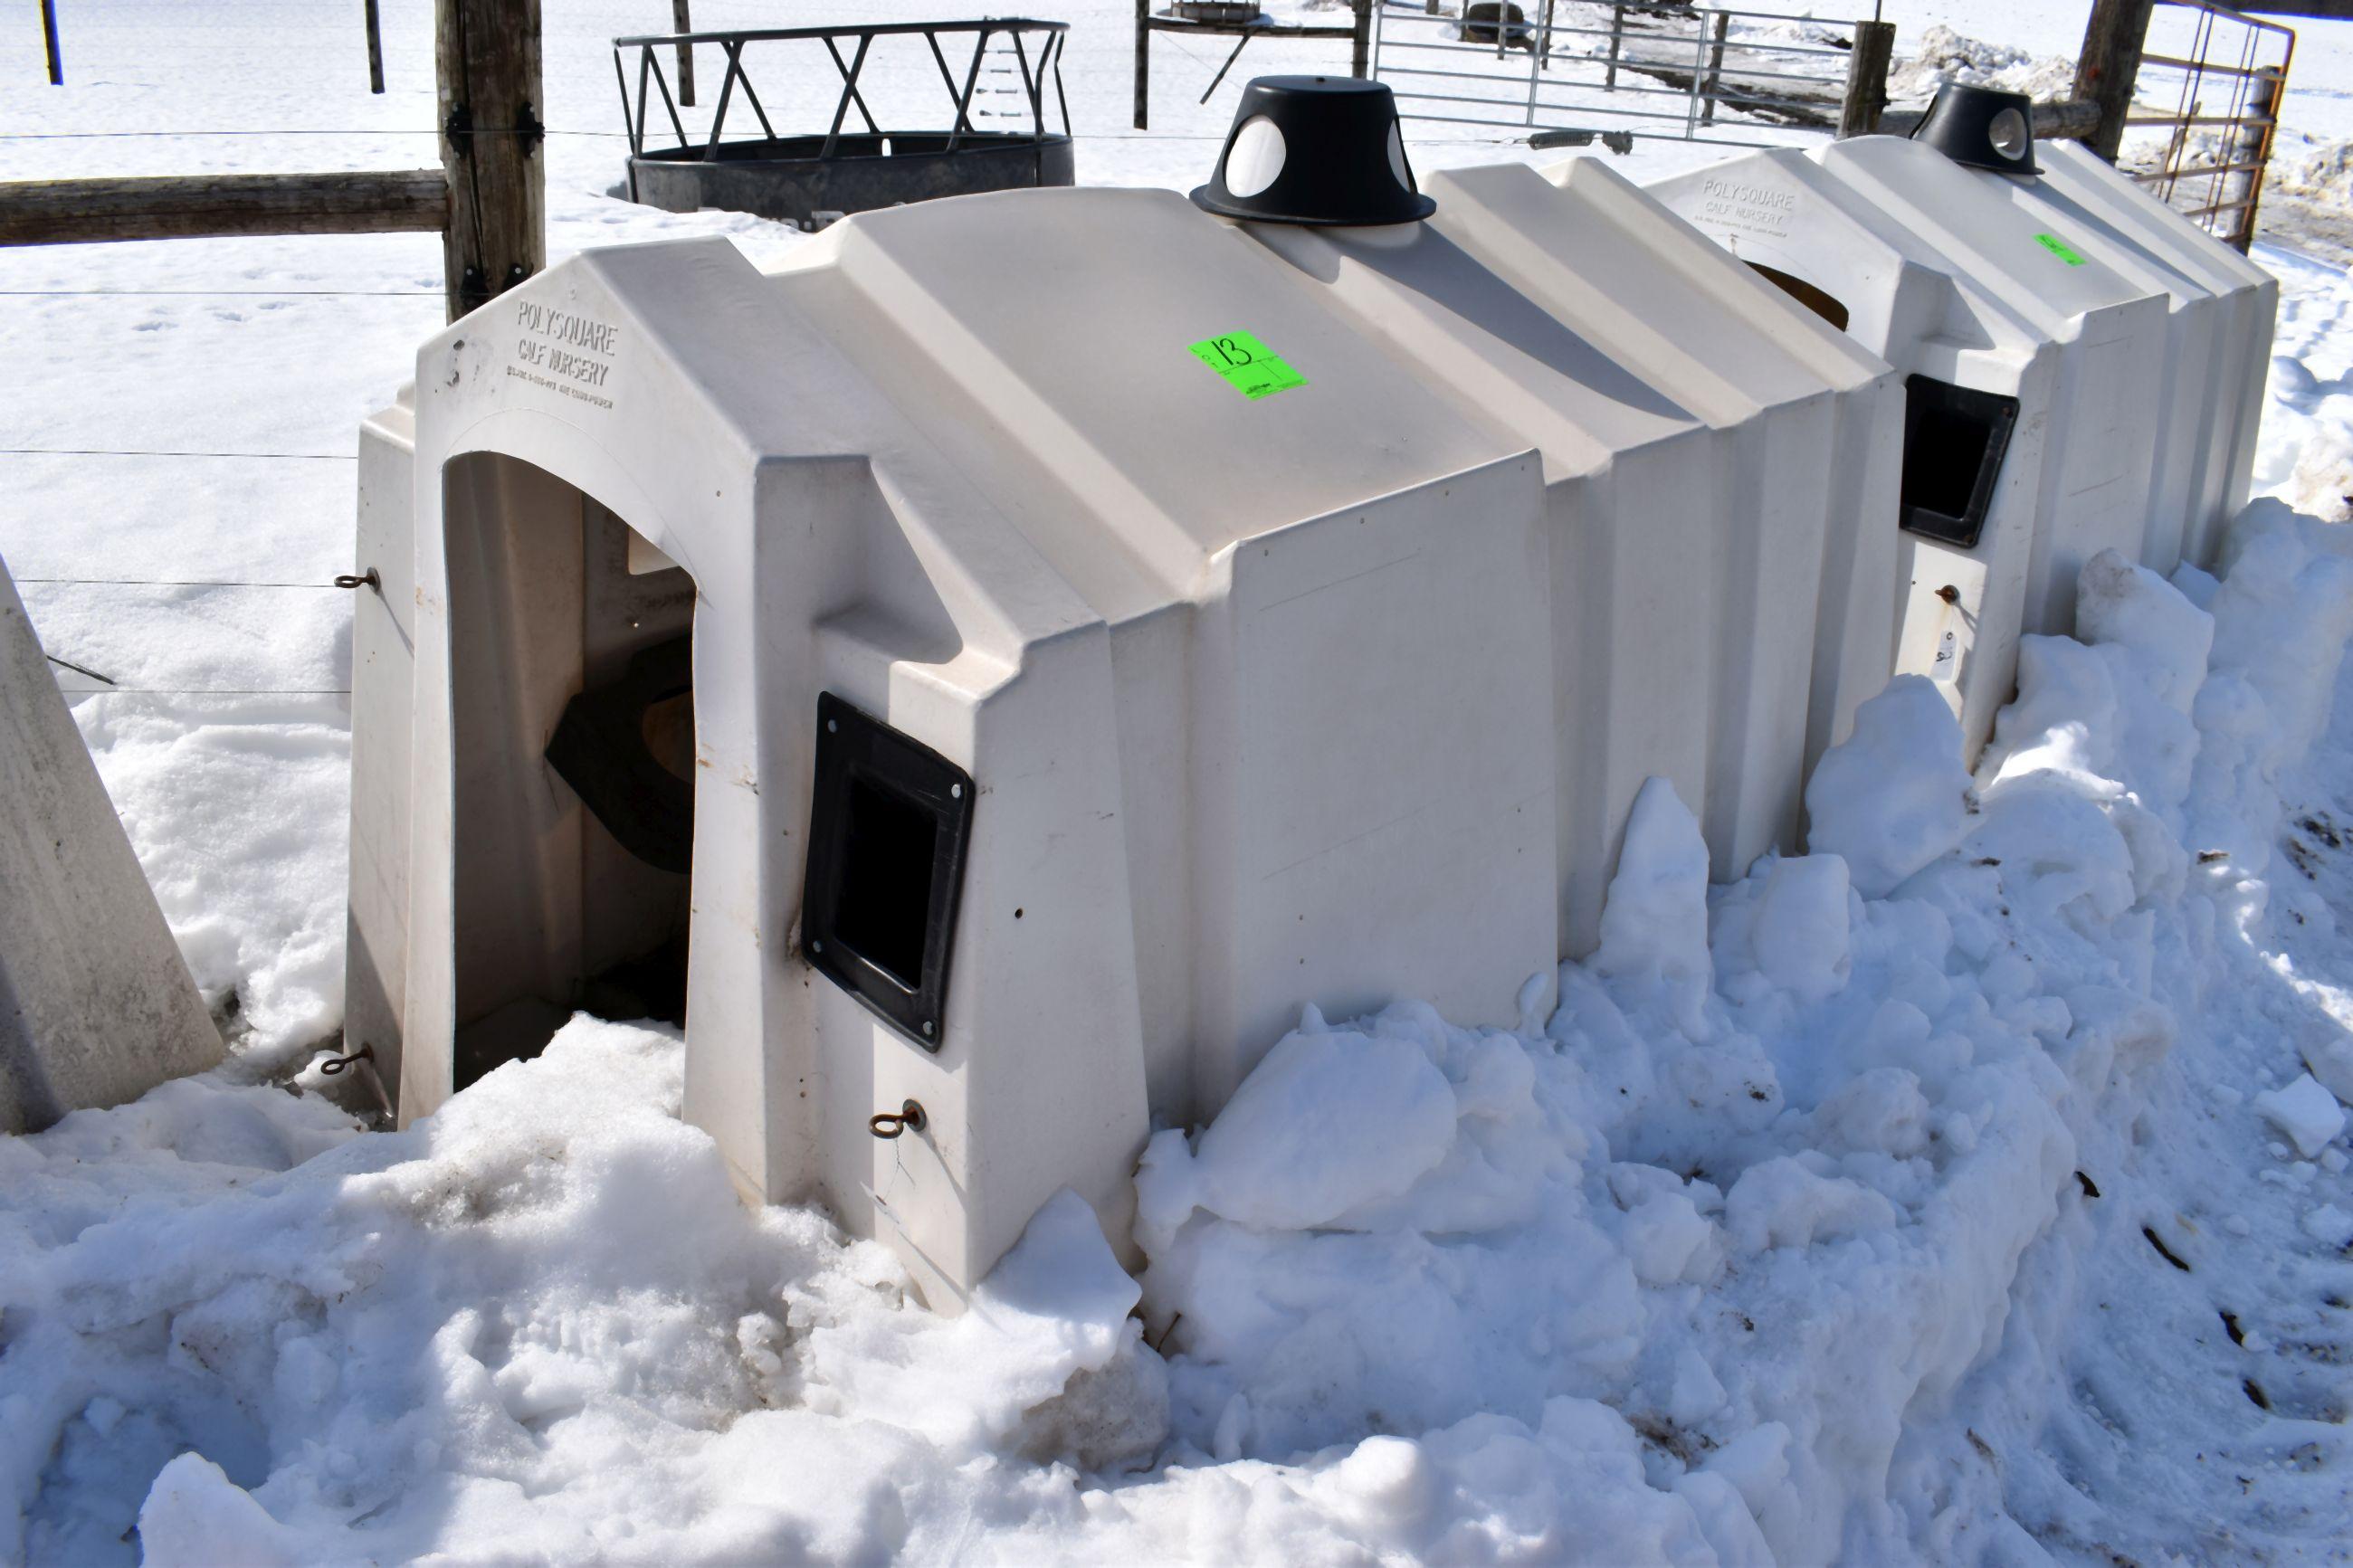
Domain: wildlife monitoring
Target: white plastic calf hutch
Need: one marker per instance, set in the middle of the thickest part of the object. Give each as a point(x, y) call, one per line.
point(1012, 659)
point(2220, 306)
point(2033, 376)
point(1109, 708)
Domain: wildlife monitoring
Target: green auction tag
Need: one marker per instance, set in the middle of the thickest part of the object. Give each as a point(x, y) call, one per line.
point(1249, 367)
point(2059, 248)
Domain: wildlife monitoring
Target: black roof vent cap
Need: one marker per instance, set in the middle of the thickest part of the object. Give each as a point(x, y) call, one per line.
point(1314, 150)
point(1981, 128)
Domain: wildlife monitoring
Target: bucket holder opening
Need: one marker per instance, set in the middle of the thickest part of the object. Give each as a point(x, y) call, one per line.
point(1953, 439)
point(889, 825)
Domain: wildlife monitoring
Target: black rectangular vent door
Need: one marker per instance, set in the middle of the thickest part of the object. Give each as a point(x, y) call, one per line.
point(1954, 438)
point(889, 825)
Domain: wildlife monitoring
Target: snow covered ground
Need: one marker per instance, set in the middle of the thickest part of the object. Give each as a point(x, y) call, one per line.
point(1956, 1193)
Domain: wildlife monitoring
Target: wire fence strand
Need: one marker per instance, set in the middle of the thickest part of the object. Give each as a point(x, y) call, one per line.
point(109, 452)
point(221, 293)
point(178, 583)
point(211, 691)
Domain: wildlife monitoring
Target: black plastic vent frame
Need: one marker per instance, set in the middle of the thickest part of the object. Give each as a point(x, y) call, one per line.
point(1954, 441)
point(889, 825)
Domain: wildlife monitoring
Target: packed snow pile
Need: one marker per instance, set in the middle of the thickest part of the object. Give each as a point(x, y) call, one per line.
point(1834, 1212)
point(2317, 172)
point(2308, 170)
point(1781, 1223)
point(2307, 196)
point(539, 1324)
point(200, 793)
point(1944, 55)
point(2306, 456)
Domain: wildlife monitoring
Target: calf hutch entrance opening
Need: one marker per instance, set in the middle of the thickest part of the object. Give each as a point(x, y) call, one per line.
point(926, 110)
point(572, 655)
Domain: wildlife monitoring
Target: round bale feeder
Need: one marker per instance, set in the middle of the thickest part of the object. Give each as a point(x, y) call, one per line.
point(989, 81)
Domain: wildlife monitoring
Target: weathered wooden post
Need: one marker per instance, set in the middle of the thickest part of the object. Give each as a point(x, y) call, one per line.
point(682, 22)
point(1715, 69)
point(2263, 106)
point(1142, 64)
point(2109, 65)
point(49, 38)
point(487, 54)
point(376, 46)
point(1360, 40)
point(1866, 79)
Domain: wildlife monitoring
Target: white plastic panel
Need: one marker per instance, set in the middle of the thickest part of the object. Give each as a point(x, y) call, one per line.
point(1693, 426)
point(2216, 412)
point(376, 960)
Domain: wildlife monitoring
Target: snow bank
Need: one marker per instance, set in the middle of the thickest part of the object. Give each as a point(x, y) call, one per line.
point(1756, 1252)
point(1792, 1185)
point(1894, 797)
point(2321, 174)
point(240, 817)
point(1943, 54)
point(1915, 1199)
point(538, 1326)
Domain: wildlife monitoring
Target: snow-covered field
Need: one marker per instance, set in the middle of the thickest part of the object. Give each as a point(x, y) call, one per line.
point(1973, 1189)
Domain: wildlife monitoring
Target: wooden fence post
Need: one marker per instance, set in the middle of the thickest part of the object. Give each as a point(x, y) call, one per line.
point(487, 54)
point(1715, 68)
point(1142, 64)
point(376, 44)
point(1866, 79)
point(49, 38)
point(681, 21)
point(1360, 40)
point(2264, 105)
point(2109, 65)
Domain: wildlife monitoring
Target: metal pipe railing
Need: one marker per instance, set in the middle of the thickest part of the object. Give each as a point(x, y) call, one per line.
point(1705, 66)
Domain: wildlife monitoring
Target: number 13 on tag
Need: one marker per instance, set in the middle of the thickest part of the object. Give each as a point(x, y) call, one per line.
point(1249, 367)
